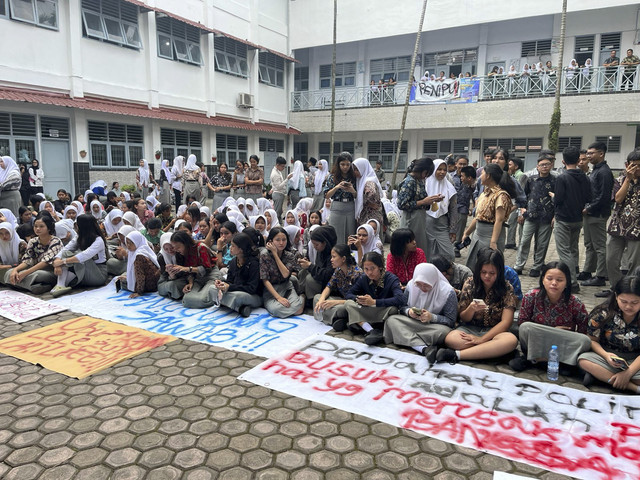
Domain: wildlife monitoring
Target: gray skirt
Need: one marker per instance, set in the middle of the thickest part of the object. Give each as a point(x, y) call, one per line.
point(11, 199)
point(403, 330)
point(40, 281)
point(218, 199)
point(416, 221)
point(237, 300)
point(191, 189)
point(288, 291)
point(481, 239)
point(343, 219)
point(372, 315)
point(88, 274)
point(593, 357)
point(536, 341)
point(329, 315)
point(165, 195)
point(437, 230)
point(318, 202)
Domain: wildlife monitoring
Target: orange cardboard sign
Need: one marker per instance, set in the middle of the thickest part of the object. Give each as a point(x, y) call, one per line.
point(81, 346)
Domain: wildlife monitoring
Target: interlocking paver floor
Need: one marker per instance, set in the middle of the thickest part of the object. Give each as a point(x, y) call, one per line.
point(179, 412)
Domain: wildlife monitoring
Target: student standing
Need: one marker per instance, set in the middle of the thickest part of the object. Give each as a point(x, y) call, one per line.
point(279, 185)
point(340, 187)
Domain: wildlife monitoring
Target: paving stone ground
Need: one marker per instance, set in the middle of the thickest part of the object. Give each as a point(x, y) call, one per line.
point(179, 412)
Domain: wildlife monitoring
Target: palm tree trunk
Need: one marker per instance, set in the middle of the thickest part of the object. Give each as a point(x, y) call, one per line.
point(333, 82)
point(554, 125)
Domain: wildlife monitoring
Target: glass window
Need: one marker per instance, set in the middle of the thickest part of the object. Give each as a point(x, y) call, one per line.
point(178, 41)
point(5, 147)
point(164, 46)
point(113, 21)
point(114, 30)
point(47, 13)
point(345, 75)
point(271, 69)
point(231, 56)
point(93, 24)
point(115, 144)
point(132, 34)
point(23, 10)
point(172, 141)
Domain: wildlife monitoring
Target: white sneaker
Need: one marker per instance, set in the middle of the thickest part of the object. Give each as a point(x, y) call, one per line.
point(58, 291)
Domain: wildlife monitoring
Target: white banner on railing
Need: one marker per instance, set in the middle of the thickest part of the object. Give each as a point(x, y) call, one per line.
point(582, 434)
point(459, 90)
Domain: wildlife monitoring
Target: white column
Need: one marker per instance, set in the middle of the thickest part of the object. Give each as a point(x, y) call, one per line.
point(74, 36)
point(148, 35)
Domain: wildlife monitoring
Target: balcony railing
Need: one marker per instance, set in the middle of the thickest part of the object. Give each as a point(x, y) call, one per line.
point(497, 87)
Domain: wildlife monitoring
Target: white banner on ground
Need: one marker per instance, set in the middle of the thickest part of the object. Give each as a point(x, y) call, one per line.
point(261, 334)
point(20, 307)
point(582, 434)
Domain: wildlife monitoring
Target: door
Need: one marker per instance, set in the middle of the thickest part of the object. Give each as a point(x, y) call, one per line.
point(56, 163)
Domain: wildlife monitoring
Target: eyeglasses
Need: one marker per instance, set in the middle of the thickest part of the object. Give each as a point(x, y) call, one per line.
point(544, 165)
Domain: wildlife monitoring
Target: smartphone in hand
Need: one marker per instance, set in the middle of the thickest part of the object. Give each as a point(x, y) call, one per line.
point(479, 301)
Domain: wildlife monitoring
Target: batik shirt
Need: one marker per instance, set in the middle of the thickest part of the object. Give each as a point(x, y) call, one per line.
point(493, 314)
point(614, 333)
point(269, 268)
point(340, 195)
point(342, 282)
point(625, 220)
point(411, 190)
point(538, 309)
point(36, 252)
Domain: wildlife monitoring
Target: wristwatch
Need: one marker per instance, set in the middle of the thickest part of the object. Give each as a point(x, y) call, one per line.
point(190, 269)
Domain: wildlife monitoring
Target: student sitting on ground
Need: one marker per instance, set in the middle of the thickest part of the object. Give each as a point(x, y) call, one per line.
point(486, 308)
point(143, 269)
point(455, 273)
point(242, 289)
point(405, 255)
point(12, 248)
point(373, 298)
point(615, 339)
point(429, 315)
point(35, 271)
point(551, 315)
point(316, 274)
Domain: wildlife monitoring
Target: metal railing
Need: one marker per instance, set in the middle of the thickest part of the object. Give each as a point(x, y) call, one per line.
point(578, 81)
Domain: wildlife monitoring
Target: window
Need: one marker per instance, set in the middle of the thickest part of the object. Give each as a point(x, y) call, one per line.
point(301, 79)
point(271, 145)
point(536, 48)
point(384, 68)
point(271, 69)
point(442, 148)
point(517, 145)
point(613, 143)
point(608, 42)
point(564, 142)
point(338, 147)
point(345, 75)
point(178, 41)
point(456, 62)
point(584, 48)
point(3, 10)
point(301, 151)
point(231, 148)
point(180, 142)
point(112, 21)
point(231, 57)
point(18, 136)
point(115, 145)
point(54, 127)
point(43, 13)
point(385, 152)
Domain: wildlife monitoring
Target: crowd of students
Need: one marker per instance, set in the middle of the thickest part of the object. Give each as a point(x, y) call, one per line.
point(246, 254)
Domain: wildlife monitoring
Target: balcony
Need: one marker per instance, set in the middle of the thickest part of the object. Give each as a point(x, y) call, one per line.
point(497, 87)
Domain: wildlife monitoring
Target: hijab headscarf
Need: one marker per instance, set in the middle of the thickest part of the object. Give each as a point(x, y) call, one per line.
point(254, 208)
point(167, 171)
point(237, 218)
point(123, 232)
point(63, 228)
point(109, 227)
point(206, 211)
point(252, 221)
point(98, 184)
point(263, 205)
point(134, 220)
point(126, 196)
point(539, 68)
point(326, 212)
point(179, 222)
point(274, 218)
point(443, 187)
point(367, 174)
point(292, 231)
point(295, 215)
point(9, 216)
point(228, 202)
point(587, 67)
point(144, 173)
point(181, 210)
point(320, 177)
point(191, 163)
point(10, 250)
point(298, 171)
point(512, 71)
point(304, 205)
point(312, 253)
point(97, 216)
point(79, 207)
point(434, 300)
point(377, 225)
point(327, 235)
point(168, 259)
point(67, 209)
point(10, 170)
point(525, 68)
point(152, 202)
point(372, 239)
point(44, 204)
point(177, 171)
point(142, 248)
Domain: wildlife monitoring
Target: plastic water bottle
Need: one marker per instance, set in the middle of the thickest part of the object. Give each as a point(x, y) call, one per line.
point(552, 364)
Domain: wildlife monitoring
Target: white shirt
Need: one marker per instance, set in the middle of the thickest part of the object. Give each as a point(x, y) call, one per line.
point(96, 248)
point(278, 182)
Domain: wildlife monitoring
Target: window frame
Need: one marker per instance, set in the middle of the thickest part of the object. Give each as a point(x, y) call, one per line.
point(192, 145)
point(341, 78)
point(381, 156)
point(182, 45)
point(109, 144)
point(338, 148)
point(607, 141)
point(10, 13)
point(222, 47)
point(104, 34)
point(269, 71)
point(383, 73)
point(222, 152)
point(12, 137)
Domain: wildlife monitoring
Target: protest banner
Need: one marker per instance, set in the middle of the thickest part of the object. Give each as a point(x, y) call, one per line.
point(260, 333)
point(459, 90)
point(582, 434)
point(19, 307)
point(81, 346)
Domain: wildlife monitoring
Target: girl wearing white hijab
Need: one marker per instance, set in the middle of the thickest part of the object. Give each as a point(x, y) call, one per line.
point(65, 231)
point(192, 178)
point(291, 218)
point(442, 217)
point(272, 219)
point(117, 264)
point(70, 213)
point(296, 186)
point(11, 248)
point(228, 203)
point(96, 210)
point(326, 211)
point(144, 178)
point(369, 192)
point(48, 206)
point(177, 171)
point(430, 313)
point(113, 223)
point(586, 73)
point(318, 185)
point(10, 181)
point(572, 70)
point(261, 229)
point(7, 215)
point(143, 269)
point(237, 218)
point(293, 231)
point(152, 202)
point(165, 183)
point(131, 219)
point(250, 208)
point(365, 241)
point(263, 205)
point(167, 255)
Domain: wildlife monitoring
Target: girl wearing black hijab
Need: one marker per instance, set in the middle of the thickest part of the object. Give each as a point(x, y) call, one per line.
point(318, 273)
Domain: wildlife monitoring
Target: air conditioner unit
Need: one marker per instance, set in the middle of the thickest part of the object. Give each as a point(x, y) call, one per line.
point(245, 100)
